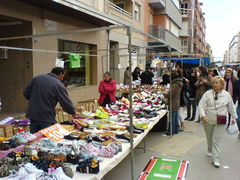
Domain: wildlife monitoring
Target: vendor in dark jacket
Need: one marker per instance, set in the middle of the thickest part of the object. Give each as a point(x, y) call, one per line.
point(146, 77)
point(107, 90)
point(43, 93)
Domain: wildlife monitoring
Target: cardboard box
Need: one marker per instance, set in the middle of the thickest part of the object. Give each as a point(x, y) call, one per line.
point(2, 132)
point(8, 130)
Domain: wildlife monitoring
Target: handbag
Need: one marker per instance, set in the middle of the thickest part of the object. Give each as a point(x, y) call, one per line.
point(232, 129)
point(221, 119)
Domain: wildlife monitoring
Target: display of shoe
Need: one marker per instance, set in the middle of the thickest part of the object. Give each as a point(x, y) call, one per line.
point(135, 131)
point(67, 170)
point(216, 164)
point(122, 136)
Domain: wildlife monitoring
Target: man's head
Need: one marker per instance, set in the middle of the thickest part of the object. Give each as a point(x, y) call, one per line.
point(59, 72)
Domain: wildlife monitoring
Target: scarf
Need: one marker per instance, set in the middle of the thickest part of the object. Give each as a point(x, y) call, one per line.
point(228, 86)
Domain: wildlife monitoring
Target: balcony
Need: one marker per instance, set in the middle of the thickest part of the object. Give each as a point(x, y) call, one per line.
point(185, 49)
point(172, 11)
point(157, 4)
point(186, 13)
point(119, 10)
point(165, 35)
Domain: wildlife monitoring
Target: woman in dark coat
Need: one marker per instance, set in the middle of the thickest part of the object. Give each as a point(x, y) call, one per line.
point(136, 74)
point(191, 103)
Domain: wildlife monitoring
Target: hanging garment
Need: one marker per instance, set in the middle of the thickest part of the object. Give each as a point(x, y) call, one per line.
point(75, 60)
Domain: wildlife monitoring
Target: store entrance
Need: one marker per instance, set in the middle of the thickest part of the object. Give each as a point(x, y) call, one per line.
point(15, 66)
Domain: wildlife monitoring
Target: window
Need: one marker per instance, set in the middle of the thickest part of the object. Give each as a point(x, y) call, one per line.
point(79, 76)
point(184, 42)
point(120, 4)
point(137, 9)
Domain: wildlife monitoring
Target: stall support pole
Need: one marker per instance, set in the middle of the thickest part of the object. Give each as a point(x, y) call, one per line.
point(130, 106)
point(107, 51)
point(170, 91)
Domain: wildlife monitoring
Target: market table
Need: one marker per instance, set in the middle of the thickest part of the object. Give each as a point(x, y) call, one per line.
point(110, 163)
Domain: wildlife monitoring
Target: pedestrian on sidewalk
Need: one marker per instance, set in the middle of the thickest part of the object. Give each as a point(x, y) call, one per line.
point(127, 76)
point(191, 106)
point(176, 87)
point(216, 102)
point(236, 97)
point(202, 85)
point(43, 93)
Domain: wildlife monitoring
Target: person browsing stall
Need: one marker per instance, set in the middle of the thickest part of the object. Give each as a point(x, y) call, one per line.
point(43, 93)
point(213, 108)
point(107, 90)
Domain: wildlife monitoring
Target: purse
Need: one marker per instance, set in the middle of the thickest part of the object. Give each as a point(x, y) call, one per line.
point(221, 119)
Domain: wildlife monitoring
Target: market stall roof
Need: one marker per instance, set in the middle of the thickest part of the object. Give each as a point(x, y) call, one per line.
point(187, 60)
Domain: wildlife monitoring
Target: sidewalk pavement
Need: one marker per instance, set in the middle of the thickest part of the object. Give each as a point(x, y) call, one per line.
point(188, 145)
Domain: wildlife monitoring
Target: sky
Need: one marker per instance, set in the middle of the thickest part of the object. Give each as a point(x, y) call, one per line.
point(222, 24)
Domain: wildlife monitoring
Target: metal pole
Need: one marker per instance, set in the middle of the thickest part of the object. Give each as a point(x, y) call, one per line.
point(107, 52)
point(170, 92)
point(130, 106)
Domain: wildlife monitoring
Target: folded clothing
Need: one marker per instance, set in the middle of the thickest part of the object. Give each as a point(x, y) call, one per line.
point(16, 149)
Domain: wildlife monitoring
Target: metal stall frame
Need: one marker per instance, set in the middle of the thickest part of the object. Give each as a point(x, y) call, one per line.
point(129, 28)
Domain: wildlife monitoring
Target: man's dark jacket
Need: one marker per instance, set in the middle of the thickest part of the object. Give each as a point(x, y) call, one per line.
point(43, 94)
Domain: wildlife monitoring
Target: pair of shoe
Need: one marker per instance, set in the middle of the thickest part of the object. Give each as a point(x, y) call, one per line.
point(122, 136)
point(209, 154)
point(216, 164)
point(192, 119)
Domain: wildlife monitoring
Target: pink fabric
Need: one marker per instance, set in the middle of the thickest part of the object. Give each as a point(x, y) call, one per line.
point(17, 149)
point(107, 88)
point(230, 87)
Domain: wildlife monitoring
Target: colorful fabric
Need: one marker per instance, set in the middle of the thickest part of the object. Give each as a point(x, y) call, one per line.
point(75, 60)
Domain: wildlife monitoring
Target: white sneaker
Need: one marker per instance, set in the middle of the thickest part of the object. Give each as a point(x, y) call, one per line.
point(209, 154)
point(216, 164)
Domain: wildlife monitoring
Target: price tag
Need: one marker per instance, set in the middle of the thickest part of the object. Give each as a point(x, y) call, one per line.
point(55, 132)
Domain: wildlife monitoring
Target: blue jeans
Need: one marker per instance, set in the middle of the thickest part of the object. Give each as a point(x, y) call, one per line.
point(175, 126)
point(238, 119)
point(36, 126)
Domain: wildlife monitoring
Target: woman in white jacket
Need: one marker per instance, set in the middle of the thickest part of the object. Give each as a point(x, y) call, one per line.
point(216, 102)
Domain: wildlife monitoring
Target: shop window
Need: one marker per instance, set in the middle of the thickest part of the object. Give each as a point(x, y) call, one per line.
point(80, 73)
point(137, 11)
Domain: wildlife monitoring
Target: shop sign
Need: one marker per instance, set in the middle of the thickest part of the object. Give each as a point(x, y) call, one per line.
point(55, 132)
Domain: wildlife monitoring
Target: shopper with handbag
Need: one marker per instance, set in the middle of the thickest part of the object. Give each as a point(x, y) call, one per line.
point(214, 106)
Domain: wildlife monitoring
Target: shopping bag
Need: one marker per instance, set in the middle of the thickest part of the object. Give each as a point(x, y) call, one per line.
point(232, 129)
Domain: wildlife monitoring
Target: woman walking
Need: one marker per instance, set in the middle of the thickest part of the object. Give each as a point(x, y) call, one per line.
point(213, 108)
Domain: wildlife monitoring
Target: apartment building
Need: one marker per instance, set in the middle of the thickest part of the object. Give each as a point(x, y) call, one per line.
point(226, 57)
point(194, 28)
point(208, 51)
point(163, 20)
point(234, 49)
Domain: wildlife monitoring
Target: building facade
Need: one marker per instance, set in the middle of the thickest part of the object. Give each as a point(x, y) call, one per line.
point(163, 20)
point(234, 49)
point(194, 28)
